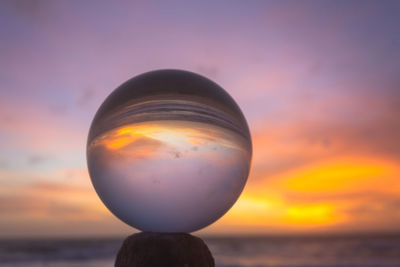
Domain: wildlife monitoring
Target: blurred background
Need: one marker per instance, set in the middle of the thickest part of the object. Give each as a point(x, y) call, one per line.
point(318, 81)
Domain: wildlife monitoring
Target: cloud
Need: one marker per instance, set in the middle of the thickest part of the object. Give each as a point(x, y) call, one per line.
point(37, 159)
point(45, 208)
point(318, 83)
point(327, 195)
point(86, 97)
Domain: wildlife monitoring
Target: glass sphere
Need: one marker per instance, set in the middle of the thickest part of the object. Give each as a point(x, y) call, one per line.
point(169, 151)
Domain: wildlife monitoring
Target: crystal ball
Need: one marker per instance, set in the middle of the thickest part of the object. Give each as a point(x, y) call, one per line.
point(169, 151)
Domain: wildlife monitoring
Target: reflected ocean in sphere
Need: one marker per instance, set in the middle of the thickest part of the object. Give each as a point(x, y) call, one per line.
point(169, 151)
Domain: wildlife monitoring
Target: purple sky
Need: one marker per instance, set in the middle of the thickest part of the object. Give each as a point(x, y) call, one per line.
point(318, 81)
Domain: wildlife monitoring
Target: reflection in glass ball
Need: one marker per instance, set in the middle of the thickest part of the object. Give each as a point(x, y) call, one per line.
point(169, 151)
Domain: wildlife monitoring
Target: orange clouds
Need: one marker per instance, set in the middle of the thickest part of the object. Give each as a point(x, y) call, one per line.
point(46, 207)
point(49, 199)
point(331, 195)
point(341, 175)
point(313, 178)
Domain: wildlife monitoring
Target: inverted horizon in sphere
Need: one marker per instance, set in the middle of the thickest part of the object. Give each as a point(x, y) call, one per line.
point(169, 151)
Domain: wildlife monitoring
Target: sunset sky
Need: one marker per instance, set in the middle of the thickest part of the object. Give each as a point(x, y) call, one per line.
point(318, 81)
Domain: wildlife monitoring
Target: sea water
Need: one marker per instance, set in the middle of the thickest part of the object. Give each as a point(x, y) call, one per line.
point(326, 251)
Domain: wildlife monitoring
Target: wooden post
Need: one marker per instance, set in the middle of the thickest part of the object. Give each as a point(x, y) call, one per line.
point(148, 249)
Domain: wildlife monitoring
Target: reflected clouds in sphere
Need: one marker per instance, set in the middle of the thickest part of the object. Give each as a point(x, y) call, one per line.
point(169, 151)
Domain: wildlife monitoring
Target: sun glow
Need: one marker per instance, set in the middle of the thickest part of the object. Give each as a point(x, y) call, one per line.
point(312, 214)
point(323, 194)
point(350, 174)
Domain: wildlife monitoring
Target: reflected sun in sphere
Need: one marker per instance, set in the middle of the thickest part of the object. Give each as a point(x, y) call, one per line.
point(169, 151)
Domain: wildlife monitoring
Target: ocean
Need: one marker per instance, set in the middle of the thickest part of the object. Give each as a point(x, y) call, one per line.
point(312, 251)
